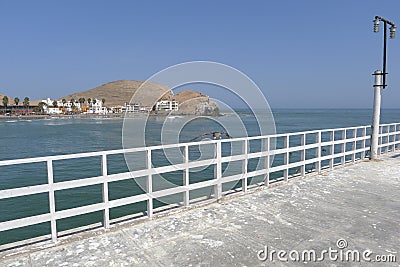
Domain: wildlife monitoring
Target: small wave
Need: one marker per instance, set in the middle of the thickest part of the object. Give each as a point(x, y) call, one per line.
point(12, 121)
point(174, 117)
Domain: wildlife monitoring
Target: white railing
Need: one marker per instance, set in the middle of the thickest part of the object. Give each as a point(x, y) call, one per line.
point(316, 150)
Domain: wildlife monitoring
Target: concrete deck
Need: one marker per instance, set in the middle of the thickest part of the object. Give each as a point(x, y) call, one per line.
point(358, 203)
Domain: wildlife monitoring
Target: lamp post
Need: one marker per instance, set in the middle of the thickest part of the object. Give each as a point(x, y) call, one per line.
point(380, 83)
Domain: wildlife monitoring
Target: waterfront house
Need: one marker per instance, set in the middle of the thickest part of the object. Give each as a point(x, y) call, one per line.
point(130, 108)
point(166, 105)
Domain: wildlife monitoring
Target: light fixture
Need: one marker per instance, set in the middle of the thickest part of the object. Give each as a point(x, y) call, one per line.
point(386, 22)
point(392, 31)
point(376, 24)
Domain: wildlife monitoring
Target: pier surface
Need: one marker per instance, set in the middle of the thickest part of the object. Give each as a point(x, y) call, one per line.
point(358, 205)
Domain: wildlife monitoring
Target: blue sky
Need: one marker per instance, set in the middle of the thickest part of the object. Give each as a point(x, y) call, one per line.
point(302, 54)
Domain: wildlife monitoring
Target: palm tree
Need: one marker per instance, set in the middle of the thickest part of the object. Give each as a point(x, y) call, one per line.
point(103, 101)
point(26, 103)
point(81, 101)
point(89, 100)
point(73, 105)
point(94, 101)
point(63, 102)
point(55, 104)
point(5, 103)
point(41, 107)
point(16, 101)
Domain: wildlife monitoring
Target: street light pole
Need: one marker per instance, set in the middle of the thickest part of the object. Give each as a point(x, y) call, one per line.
point(380, 83)
point(378, 86)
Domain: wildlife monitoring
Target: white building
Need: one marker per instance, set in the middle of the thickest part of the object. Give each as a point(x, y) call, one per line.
point(97, 110)
point(166, 105)
point(96, 104)
point(53, 110)
point(96, 107)
point(48, 107)
point(47, 101)
point(68, 106)
point(145, 109)
point(130, 108)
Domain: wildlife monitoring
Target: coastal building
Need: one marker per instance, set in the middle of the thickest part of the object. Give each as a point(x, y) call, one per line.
point(48, 102)
point(97, 110)
point(135, 107)
point(52, 110)
point(115, 109)
point(96, 104)
point(69, 106)
point(166, 105)
point(96, 107)
point(145, 109)
point(130, 108)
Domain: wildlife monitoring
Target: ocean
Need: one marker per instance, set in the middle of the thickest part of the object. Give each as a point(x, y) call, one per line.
point(54, 136)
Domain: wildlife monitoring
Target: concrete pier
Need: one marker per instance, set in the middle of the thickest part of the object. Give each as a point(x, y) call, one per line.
point(353, 210)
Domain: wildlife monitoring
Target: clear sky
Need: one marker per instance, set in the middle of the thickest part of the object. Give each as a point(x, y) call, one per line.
point(301, 53)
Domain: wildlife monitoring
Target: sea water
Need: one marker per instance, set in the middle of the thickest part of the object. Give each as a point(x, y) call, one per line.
point(56, 136)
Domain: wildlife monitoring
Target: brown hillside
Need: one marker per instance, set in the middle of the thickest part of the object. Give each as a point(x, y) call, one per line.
point(186, 95)
point(118, 92)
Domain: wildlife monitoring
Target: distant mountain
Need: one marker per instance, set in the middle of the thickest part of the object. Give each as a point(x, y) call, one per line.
point(118, 92)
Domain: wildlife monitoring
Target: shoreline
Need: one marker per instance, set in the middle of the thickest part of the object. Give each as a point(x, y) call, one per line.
point(90, 116)
point(38, 117)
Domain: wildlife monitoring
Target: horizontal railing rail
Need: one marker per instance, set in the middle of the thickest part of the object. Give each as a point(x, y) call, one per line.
point(316, 150)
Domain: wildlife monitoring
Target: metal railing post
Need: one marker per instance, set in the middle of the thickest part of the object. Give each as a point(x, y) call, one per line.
point(393, 135)
point(267, 144)
point(286, 157)
point(318, 154)
point(353, 146)
point(303, 155)
point(52, 201)
point(397, 137)
point(106, 211)
point(332, 150)
point(186, 194)
point(363, 143)
point(343, 147)
point(388, 138)
point(244, 165)
point(149, 184)
point(380, 139)
point(218, 170)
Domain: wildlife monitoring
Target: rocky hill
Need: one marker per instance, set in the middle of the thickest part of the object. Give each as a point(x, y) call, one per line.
point(118, 92)
point(195, 103)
